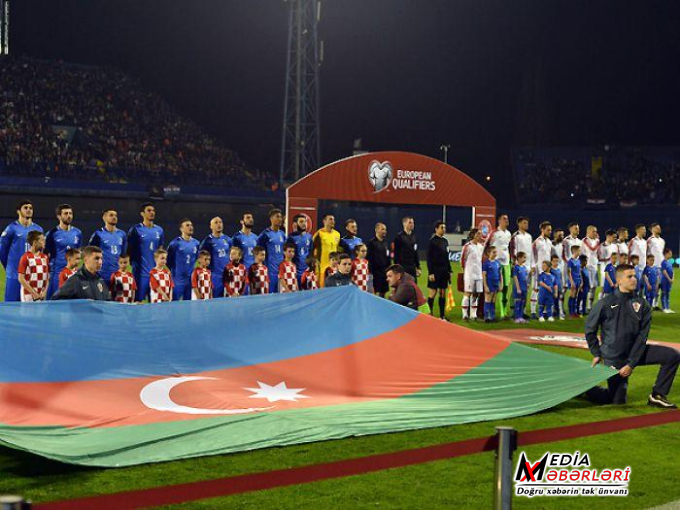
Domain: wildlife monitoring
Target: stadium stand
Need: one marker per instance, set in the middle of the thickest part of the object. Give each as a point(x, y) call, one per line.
point(96, 124)
point(611, 175)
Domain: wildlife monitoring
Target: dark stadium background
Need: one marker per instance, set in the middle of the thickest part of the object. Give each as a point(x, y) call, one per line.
point(399, 75)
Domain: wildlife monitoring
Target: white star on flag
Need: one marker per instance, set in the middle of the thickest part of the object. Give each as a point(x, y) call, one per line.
point(276, 393)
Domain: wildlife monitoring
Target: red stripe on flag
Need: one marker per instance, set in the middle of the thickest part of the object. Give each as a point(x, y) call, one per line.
point(407, 360)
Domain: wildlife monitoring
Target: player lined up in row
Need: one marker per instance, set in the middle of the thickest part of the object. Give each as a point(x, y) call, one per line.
point(289, 262)
point(513, 265)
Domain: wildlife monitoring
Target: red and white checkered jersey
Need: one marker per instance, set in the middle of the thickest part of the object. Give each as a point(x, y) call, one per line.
point(201, 284)
point(36, 269)
point(329, 271)
point(160, 279)
point(235, 278)
point(123, 287)
point(258, 276)
point(308, 280)
point(360, 273)
point(65, 274)
point(288, 274)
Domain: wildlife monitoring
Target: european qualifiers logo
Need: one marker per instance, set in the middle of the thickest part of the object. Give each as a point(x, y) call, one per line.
point(563, 474)
point(382, 176)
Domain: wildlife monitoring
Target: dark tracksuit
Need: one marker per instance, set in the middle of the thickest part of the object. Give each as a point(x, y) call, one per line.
point(438, 265)
point(84, 285)
point(624, 332)
point(406, 252)
point(337, 280)
point(378, 261)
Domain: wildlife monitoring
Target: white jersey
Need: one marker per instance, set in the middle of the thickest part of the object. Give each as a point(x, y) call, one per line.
point(590, 248)
point(638, 246)
point(500, 239)
point(605, 252)
point(621, 248)
point(471, 259)
point(655, 246)
point(521, 242)
point(541, 252)
point(558, 249)
point(567, 243)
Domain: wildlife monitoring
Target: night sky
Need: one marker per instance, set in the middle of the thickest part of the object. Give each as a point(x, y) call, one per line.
point(481, 75)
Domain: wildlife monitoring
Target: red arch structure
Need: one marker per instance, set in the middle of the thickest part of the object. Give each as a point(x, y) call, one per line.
point(390, 178)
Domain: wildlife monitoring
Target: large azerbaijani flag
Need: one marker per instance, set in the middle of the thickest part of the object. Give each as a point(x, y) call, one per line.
point(107, 384)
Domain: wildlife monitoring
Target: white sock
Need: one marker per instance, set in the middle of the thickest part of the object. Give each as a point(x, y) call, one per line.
point(465, 305)
point(475, 300)
point(534, 301)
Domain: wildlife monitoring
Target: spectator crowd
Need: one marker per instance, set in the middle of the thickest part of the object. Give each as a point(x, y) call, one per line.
point(616, 176)
point(80, 122)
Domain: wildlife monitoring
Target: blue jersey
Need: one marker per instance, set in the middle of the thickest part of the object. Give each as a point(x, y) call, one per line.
point(113, 245)
point(182, 255)
point(557, 273)
point(57, 242)
point(668, 268)
point(574, 268)
point(586, 280)
point(610, 270)
point(349, 243)
point(652, 274)
point(303, 247)
point(142, 243)
point(492, 268)
point(219, 254)
point(246, 242)
point(521, 273)
point(549, 280)
point(273, 242)
point(13, 245)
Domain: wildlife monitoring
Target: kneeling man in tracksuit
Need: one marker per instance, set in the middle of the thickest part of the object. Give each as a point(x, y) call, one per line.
point(624, 320)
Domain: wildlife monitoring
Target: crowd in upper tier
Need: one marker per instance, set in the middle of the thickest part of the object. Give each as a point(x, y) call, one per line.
point(93, 123)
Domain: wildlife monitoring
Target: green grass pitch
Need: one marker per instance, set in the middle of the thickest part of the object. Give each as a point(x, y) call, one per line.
point(465, 482)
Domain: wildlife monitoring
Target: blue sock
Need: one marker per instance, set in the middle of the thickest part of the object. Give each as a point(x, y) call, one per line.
point(492, 310)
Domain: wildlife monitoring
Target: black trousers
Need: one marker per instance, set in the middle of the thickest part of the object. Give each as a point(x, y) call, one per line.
point(411, 270)
point(617, 386)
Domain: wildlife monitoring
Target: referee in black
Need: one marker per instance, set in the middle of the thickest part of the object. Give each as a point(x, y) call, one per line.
point(624, 320)
point(438, 268)
point(379, 259)
point(406, 248)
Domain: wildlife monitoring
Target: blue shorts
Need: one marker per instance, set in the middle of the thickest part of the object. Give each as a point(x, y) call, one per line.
point(519, 296)
point(53, 285)
point(493, 286)
point(218, 286)
point(142, 287)
point(182, 290)
point(12, 290)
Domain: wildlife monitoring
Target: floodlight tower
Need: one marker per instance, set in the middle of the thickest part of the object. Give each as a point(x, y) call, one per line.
point(300, 141)
point(4, 27)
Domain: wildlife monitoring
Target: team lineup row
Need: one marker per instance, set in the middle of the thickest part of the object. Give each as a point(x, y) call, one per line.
point(36, 268)
point(274, 261)
point(554, 265)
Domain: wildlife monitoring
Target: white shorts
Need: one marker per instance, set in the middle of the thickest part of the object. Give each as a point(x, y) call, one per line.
point(472, 285)
point(592, 276)
point(26, 298)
